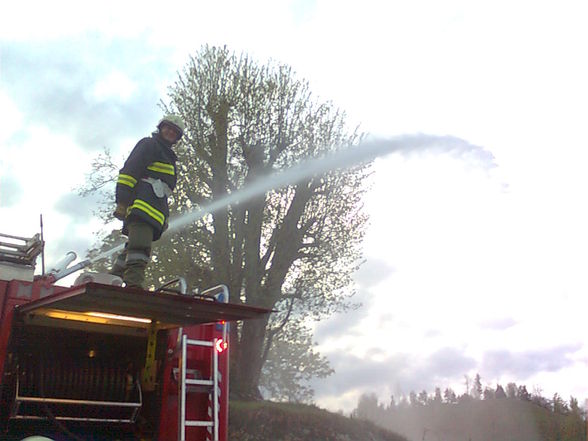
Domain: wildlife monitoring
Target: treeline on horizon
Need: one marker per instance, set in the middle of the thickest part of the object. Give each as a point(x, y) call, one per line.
point(479, 414)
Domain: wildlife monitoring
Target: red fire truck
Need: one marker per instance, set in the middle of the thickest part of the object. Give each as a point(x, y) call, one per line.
point(97, 361)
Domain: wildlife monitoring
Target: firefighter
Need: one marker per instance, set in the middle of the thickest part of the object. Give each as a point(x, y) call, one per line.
point(144, 184)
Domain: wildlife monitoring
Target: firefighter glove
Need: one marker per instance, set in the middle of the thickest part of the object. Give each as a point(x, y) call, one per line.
point(120, 212)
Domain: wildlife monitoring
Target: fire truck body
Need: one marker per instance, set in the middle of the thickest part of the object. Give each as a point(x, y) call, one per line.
point(104, 362)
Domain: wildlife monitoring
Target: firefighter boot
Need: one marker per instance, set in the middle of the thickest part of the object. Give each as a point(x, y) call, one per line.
point(138, 254)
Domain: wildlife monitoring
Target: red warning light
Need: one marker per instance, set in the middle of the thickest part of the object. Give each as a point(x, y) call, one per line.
point(221, 345)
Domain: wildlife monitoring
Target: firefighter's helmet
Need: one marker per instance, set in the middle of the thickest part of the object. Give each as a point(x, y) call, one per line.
point(174, 121)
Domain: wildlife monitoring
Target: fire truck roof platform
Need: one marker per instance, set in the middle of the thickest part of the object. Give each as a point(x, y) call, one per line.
point(98, 304)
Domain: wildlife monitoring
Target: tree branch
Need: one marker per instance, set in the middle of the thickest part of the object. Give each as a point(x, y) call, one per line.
point(271, 333)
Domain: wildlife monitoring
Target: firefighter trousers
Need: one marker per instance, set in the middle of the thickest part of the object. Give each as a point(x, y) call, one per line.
point(132, 261)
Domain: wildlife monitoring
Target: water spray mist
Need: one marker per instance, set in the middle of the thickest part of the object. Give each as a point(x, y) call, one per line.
point(365, 152)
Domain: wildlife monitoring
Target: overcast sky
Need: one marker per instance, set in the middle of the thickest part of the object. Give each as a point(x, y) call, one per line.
point(472, 267)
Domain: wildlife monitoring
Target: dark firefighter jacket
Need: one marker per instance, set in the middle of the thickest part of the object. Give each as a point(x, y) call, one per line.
point(151, 159)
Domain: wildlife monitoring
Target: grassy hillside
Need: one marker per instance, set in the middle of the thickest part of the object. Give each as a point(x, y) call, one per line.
point(267, 421)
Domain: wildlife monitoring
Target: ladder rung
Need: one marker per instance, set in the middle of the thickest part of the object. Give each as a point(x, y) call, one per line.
point(199, 382)
point(199, 343)
point(194, 423)
point(211, 384)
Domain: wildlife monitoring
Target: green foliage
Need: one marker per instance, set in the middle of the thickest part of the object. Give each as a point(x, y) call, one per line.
point(291, 363)
point(101, 181)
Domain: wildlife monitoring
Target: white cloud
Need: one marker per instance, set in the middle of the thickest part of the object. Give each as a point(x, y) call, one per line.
point(116, 85)
point(47, 165)
point(11, 117)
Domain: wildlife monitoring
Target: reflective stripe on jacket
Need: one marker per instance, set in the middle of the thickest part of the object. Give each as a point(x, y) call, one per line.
point(151, 160)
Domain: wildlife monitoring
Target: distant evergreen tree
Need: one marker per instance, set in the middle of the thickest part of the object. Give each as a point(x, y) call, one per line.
point(467, 381)
point(392, 405)
point(489, 393)
point(438, 399)
point(424, 398)
point(367, 406)
point(477, 387)
point(523, 394)
point(449, 396)
point(574, 407)
point(539, 399)
point(511, 390)
point(403, 403)
point(559, 405)
point(413, 398)
point(499, 392)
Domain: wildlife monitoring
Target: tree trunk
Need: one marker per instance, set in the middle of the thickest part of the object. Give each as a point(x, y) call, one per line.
point(219, 149)
point(247, 369)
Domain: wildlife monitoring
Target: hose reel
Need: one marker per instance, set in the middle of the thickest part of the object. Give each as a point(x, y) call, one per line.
point(80, 390)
